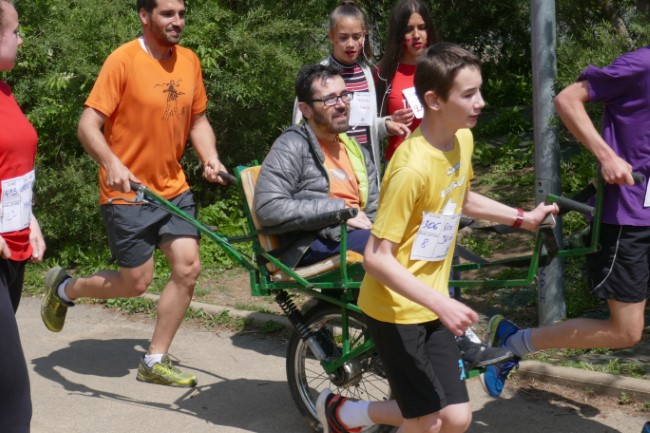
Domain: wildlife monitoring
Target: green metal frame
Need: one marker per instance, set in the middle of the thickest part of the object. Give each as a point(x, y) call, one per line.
point(537, 251)
point(340, 286)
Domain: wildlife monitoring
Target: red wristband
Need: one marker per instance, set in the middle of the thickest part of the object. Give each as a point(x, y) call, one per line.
point(519, 220)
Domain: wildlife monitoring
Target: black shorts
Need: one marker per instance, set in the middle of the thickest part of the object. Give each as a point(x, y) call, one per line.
point(422, 364)
point(135, 230)
point(620, 270)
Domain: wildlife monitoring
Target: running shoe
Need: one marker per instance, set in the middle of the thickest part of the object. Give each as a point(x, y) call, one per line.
point(327, 406)
point(479, 355)
point(494, 378)
point(164, 373)
point(53, 308)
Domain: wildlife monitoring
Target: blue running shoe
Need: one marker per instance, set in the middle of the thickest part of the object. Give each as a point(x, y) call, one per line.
point(494, 378)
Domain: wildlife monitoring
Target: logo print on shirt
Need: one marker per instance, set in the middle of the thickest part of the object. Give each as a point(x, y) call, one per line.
point(453, 169)
point(338, 174)
point(171, 109)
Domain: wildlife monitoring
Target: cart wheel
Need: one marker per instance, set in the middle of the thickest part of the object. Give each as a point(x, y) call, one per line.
point(360, 379)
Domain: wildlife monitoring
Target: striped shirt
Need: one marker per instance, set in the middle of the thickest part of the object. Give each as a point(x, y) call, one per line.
point(355, 81)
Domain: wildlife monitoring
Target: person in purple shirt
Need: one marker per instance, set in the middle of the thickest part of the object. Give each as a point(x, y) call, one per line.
point(620, 271)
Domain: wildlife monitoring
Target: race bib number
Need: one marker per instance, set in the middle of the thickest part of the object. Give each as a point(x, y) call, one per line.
point(16, 203)
point(361, 110)
point(435, 237)
point(414, 102)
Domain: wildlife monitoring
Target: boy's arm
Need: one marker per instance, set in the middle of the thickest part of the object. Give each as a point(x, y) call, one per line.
point(478, 206)
point(381, 264)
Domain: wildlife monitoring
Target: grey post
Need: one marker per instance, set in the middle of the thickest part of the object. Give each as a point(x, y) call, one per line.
point(552, 304)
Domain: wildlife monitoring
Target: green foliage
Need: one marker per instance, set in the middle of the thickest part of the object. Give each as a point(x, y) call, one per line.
point(133, 305)
point(250, 52)
point(67, 208)
point(227, 216)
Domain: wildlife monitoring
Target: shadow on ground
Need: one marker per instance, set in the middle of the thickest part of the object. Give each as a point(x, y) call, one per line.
point(219, 402)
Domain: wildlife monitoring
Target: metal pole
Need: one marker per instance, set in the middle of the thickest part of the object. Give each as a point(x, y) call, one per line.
point(551, 301)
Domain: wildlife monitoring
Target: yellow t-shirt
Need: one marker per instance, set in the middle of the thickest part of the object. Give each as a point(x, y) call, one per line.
point(149, 105)
point(419, 180)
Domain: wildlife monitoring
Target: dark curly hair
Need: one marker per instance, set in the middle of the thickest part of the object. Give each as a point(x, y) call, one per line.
point(310, 73)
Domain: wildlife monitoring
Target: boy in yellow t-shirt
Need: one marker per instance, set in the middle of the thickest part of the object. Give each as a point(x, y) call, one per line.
point(404, 295)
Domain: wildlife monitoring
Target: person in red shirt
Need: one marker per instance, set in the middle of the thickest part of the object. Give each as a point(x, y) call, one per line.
point(21, 239)
point(410, 31)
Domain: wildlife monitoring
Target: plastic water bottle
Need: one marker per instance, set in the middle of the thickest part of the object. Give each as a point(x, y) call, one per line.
point(646, 428)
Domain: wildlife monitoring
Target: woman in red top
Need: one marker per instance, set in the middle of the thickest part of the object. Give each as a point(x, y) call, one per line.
point(21, 239)
point(410, 31)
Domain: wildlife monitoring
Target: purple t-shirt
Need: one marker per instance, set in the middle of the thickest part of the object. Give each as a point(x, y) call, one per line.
point(624, 89)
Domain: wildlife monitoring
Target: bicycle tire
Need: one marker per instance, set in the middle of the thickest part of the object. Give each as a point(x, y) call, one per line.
point(306, 377)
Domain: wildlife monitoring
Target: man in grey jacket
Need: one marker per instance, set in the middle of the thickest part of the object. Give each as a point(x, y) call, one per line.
point(313, 172)
point(315, 169)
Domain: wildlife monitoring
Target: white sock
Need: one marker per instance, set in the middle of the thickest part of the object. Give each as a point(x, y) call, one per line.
point(150, 360)
point(354, 414)
point(61, 291)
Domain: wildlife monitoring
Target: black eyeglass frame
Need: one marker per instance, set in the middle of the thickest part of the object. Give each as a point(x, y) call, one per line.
point(330, 101)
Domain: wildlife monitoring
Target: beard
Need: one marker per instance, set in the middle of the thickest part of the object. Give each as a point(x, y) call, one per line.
point(336, 124)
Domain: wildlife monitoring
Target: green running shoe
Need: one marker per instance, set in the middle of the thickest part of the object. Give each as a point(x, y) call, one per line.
point(164, 373)
point(53, 308)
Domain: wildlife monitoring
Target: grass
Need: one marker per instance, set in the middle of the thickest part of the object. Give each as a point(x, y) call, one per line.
point(200, 317)
point(599, 360)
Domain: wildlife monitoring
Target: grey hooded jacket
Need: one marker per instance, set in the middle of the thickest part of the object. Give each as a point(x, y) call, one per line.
point(292, 192)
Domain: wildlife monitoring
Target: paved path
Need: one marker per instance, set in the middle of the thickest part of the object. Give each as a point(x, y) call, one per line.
point(83, 380)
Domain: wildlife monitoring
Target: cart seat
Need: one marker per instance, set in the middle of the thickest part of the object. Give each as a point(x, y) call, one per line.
point(268, 242)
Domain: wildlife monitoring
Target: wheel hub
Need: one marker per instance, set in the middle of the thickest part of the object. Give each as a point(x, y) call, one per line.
point(348, 375)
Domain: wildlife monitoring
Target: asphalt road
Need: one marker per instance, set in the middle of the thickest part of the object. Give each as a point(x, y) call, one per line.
point(83, 380)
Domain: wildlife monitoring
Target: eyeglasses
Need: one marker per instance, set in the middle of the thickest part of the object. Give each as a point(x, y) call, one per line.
point(345, 97)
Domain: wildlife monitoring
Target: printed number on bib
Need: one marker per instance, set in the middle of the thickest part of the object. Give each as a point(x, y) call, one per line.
point(16, 203)
point(435, 237)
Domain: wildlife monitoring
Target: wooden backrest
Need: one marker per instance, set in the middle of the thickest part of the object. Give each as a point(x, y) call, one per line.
point(248, 178)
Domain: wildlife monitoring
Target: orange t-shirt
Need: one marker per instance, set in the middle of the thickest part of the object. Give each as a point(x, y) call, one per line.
point(149, 106)
point(343, 182)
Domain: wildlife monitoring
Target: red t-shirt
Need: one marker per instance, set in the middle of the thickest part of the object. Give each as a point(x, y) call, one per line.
point(403, 79)
point(18, 142)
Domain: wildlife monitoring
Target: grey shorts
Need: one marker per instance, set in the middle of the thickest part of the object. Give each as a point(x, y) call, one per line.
point(135, 230)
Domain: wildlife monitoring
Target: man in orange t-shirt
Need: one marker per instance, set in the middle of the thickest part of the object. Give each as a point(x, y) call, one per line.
point(148, 98)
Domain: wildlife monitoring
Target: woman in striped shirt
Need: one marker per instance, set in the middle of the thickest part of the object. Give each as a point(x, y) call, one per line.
point(351, 50)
